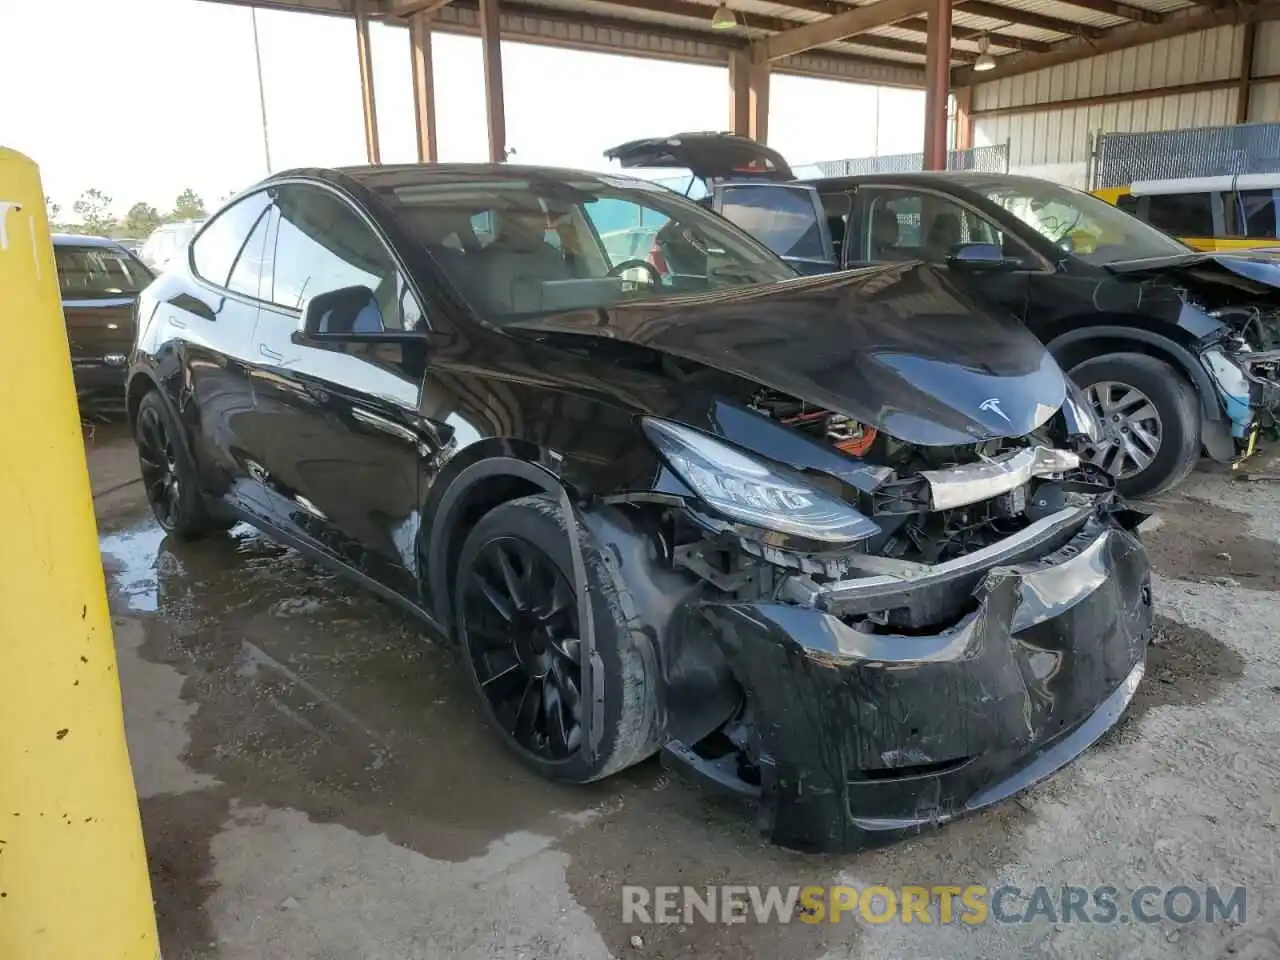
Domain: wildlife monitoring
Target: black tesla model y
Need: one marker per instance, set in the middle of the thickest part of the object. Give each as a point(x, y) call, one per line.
point(828, 541)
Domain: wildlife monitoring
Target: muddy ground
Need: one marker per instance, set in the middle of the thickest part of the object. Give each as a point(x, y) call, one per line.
point(316, 782)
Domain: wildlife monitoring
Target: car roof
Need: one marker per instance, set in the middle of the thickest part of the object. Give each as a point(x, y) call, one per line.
point(390, 176)
point(955, 179)
point(82, 240)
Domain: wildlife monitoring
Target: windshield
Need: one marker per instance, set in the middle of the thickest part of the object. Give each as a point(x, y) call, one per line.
point(1078, 223)
point(522, 246)
point(92, 272)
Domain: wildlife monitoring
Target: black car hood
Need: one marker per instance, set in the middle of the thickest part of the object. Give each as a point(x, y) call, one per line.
point(1252, 266)
point(709, 156)
point(898, 347)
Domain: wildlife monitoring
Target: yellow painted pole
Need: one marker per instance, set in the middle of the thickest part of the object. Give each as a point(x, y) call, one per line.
point(73, 873)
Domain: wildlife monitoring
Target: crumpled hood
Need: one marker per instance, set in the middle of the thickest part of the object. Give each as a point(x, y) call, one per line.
point(1255, 266)
point(898, 347)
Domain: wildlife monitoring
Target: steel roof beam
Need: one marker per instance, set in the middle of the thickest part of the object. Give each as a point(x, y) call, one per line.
point(1176, 24)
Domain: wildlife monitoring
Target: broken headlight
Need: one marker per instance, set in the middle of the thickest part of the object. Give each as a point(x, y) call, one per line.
point(753, 491)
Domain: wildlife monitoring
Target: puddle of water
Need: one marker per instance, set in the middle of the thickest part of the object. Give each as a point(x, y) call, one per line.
point(129, 560)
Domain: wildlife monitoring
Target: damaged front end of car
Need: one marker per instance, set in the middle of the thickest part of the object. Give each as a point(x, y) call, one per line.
point(877, 583)
point(1241, 352)
point(898, 637)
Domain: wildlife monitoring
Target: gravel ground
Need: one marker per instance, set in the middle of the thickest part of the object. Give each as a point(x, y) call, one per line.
point(316, 783)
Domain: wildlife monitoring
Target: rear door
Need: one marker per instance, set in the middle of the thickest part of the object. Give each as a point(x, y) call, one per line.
point(341, 467)
point(208, 328)
point(789, 219)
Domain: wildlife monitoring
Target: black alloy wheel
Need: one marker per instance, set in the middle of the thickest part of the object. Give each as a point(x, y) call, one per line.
point(158, 461)
point(521, 626)
point(169, 476)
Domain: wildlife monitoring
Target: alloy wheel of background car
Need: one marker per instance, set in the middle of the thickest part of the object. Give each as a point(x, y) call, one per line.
point(1132, 427)
point(1150, 419)
point(516, 620)
point(522, 626)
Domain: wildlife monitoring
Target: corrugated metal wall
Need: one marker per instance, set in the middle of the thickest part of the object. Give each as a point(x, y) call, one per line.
point(1054, 143)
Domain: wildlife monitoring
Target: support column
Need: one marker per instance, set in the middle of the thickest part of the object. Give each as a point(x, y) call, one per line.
point(73, 871)
point(1249, 42)
point(424, 90)
point(964, 118)
point(937, 78)
point(758, 102)
point(495, 109)
point(739, 93)
point(364, 53)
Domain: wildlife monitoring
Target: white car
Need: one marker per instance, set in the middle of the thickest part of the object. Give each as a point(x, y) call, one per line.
point(167, 241)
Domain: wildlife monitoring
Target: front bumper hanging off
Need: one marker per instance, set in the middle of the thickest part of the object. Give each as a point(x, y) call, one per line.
point(865, 736)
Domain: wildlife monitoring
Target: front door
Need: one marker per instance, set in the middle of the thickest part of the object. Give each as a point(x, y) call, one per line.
point(347, 439)
point(903, 223)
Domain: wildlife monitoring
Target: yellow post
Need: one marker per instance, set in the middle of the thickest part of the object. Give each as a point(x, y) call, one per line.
point(73, 873)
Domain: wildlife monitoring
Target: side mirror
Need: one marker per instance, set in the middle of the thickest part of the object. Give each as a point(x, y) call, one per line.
point(351, 315)
point(980, 257)
point(336, 314)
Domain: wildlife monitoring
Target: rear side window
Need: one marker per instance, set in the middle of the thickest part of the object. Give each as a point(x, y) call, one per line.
point(215, 250)
point(1258, 208)
point(782, 218)
point(251, 274)
point(94, 272)
point(1182, 214)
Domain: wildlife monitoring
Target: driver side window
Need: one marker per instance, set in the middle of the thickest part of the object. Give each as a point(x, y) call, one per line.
point(322, 245)
point(919, 225)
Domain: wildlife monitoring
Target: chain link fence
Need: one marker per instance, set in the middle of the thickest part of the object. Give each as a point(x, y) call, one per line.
point(1121, 158)
point(992, 159)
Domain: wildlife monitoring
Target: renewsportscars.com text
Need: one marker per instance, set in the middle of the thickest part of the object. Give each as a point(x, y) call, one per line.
point(972, 904)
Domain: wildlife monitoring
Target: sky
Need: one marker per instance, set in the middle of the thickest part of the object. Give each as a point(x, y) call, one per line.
point(144, 98)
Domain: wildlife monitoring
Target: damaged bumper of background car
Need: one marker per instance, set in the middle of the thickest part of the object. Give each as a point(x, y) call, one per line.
point(864, 724)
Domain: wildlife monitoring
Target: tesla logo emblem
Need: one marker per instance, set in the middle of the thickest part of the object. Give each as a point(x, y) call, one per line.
point(993, 404)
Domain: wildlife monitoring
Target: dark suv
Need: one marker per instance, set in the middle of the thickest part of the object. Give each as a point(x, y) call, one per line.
point(1176, 349)
point(99, 281)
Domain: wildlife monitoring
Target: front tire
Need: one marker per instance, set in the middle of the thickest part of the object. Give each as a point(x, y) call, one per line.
point(168, 473)
point(1151, 417)
point(516, 610)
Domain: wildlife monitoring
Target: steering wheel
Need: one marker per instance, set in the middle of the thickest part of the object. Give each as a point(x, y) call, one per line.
point(655, 278)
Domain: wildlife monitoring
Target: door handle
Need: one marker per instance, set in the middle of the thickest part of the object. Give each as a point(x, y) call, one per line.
point(175, 322)
point(269, 353)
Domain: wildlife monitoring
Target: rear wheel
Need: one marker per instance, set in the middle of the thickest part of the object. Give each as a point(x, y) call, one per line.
point(1150, 420)
point(517, 614)
point(168, 473)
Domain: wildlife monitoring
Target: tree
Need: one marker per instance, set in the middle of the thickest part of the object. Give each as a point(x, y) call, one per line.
point(141, 219)
point(188, 206)
point(94, 210)
point(52, 209)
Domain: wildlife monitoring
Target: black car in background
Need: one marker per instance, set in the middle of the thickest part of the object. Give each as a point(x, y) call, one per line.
point(99, 281)
point(1178, 351)
point(826, 541)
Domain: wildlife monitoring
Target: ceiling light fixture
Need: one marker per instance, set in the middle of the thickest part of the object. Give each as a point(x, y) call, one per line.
point(723, 18)
point(985, 60)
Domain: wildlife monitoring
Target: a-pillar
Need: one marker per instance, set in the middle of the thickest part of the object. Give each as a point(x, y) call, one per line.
point(937, 77)
point(491, 53)
point(424, 90)
point(365, 56)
